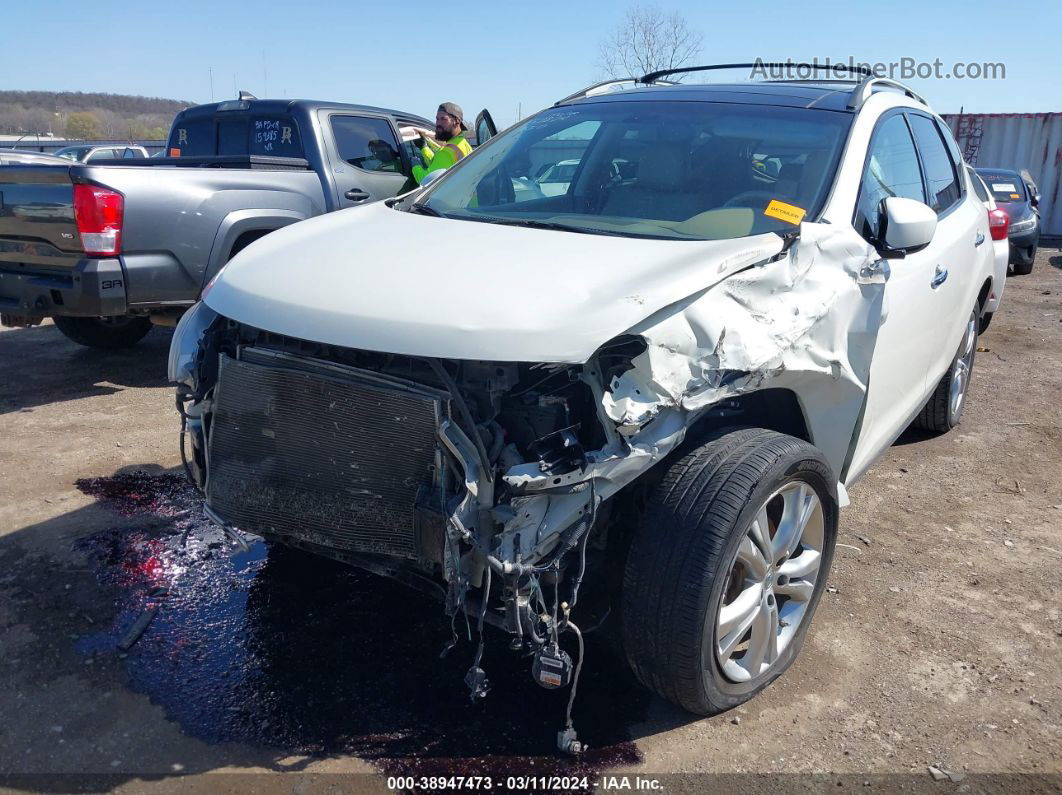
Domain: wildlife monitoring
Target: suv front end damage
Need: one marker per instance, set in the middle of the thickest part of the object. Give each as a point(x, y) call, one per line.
point(496, 485)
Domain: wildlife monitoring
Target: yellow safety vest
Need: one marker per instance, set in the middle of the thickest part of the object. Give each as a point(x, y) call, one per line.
point(447, 156)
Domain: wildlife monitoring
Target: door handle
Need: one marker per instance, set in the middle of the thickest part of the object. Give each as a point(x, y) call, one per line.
point(939, 277)
point(356, 195)
point(980, 239)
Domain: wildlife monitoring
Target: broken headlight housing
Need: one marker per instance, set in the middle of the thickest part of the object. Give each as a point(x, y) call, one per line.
point(185, 344)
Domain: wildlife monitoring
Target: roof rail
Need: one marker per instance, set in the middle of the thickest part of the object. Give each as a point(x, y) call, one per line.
point(652, 77)
point(605, 86)
point(864, 90)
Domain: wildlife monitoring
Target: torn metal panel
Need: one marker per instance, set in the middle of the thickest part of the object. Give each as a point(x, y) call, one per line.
point(807, 320)
point(809, 316)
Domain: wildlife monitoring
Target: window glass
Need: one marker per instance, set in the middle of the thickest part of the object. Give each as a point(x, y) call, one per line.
point(978, 186)
point(192, 138)
point(953, 146)
point(367, 143)
point(1006, 187)
point(659, 169)
point(892, 170)
point(276, 136)
point(940, 171)
point(102, 154)
point(232, 137)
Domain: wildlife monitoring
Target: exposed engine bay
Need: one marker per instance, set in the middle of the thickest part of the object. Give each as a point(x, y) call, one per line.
point(501, 487)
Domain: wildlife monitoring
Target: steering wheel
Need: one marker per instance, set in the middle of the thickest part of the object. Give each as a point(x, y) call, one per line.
point(750, 198)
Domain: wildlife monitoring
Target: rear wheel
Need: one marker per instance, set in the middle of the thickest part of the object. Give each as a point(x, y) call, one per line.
point(105, 333)
point(943, 410)
point(986, 321)
point(727, 567)
point(1023, 261)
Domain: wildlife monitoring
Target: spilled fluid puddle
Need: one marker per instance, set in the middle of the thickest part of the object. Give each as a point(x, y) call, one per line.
point(286, 651)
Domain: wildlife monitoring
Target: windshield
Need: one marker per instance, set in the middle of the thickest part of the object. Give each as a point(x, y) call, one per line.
point(1005, 187)
point(682, 170)
point(72, 152)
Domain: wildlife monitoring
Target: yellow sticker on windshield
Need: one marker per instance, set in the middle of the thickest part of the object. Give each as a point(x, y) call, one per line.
point(1015, 195)
point(789, 213)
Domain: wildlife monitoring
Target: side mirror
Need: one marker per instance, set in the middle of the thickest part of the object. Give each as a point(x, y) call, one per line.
point(431, 176)
point(909, 225)
point(1034, 199)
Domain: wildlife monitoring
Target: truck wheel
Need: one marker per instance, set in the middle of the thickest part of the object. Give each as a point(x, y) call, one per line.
point(727, 566)
point(943, 410)
point(105, 333)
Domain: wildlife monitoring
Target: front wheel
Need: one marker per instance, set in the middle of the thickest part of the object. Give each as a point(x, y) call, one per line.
point(726, 568)
point(104, 333)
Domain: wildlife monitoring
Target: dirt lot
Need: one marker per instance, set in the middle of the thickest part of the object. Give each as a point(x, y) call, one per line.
point(938, 644)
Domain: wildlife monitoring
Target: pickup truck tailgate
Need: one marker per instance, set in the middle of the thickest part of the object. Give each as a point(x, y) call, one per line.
point(37, 218)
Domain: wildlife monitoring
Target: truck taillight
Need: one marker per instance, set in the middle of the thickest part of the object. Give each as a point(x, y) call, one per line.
point(98, 215)
point(998, 220)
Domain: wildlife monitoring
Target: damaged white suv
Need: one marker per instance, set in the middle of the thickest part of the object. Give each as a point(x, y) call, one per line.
point(634, 403)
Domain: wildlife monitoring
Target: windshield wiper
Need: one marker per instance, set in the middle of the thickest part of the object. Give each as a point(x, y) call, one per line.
point(423, 209)
point(532, 223)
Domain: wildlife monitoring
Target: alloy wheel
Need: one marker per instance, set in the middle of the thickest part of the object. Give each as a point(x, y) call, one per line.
point(770, 582)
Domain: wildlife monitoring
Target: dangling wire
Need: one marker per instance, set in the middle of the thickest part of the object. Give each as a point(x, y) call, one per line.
point(578, 670)
point(482, 614)
point(582, 547)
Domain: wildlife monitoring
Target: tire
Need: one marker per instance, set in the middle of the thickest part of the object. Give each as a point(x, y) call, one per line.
point(683, 566)
point(943, 411)
point(104, 333)
point(986, 321)
point(1023, 263)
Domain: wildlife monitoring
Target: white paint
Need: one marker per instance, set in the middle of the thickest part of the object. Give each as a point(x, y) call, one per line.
point(379, 279)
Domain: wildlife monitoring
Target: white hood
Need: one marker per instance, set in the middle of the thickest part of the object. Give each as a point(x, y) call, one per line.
point(378, 279)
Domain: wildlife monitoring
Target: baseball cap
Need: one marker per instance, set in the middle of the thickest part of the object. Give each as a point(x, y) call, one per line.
point(454, 110)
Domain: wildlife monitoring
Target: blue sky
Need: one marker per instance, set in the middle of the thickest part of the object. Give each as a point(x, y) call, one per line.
point(506, 55)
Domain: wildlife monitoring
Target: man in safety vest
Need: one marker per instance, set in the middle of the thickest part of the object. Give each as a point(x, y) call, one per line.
point(450, 130)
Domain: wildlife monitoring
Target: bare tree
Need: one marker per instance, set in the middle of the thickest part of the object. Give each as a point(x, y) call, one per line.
point(648, 40)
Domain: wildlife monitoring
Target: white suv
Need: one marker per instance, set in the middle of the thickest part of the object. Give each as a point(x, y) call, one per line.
point(636, 404)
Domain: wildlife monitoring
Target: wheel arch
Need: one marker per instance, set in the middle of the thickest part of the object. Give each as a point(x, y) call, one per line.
point(982, 295)
point(240, 228)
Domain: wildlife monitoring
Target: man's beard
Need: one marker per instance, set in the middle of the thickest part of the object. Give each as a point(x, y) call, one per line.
point(443, 135)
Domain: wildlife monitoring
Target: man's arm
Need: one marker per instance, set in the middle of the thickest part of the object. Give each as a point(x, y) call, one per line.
point(443, 159)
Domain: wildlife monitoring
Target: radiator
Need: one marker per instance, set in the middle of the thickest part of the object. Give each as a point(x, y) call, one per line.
point(321, 453)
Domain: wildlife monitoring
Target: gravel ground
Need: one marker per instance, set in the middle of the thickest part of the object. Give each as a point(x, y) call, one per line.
point(938, 644)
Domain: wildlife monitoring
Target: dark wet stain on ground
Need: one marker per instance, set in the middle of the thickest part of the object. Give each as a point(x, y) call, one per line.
point(286, 651)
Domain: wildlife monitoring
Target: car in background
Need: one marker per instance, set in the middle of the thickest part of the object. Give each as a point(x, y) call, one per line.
point(17, 157)
point(998, 221)
point(555, 179)
point(1021, 202)
point(88, 153)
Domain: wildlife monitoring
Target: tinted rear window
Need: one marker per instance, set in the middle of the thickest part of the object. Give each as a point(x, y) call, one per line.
point(1005, 187)
point(192, 138)
point(940, 170)
point(274, 135)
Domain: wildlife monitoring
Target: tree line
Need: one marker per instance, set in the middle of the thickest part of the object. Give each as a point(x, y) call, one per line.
point(81, 115)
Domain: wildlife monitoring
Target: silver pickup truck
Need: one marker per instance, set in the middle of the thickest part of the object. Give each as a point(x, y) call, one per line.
point(108, 249)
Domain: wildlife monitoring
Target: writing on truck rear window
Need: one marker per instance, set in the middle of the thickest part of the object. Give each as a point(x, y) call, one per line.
point(277, 136)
